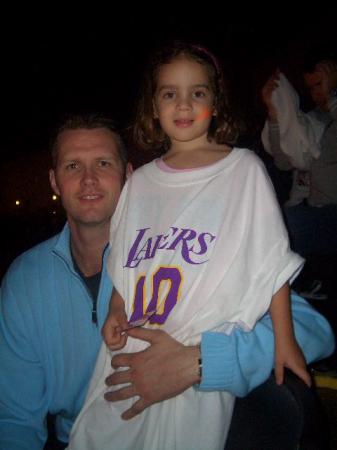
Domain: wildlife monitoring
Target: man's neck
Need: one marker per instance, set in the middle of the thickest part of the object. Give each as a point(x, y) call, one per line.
point(87, 246)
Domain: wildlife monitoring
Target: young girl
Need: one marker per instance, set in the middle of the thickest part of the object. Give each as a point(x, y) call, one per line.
point(198, 243)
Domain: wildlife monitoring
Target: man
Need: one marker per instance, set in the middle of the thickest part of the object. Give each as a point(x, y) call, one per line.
point(54, 299)
point(53, 303)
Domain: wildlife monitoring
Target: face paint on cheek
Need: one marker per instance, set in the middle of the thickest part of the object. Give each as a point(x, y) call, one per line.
point(205, 114)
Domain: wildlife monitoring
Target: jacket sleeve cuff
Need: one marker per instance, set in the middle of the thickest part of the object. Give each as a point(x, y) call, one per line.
point(218, 362)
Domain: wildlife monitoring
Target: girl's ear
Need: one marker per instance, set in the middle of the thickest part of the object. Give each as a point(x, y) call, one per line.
point(215, 112)
point(129, 170)
point(155, 112)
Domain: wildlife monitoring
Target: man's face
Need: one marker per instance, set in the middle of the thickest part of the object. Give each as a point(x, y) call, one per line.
point(317, 88)
point(88, 176)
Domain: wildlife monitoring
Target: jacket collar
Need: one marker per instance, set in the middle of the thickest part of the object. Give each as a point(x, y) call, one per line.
point(62, 248)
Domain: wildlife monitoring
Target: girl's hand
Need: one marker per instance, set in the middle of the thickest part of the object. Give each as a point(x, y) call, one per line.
point(289, 354)
point(112, 330)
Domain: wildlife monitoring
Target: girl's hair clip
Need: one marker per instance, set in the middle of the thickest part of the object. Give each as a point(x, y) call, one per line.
point(210, 56)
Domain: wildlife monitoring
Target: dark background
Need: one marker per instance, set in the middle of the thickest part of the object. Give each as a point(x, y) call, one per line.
point(56, 60)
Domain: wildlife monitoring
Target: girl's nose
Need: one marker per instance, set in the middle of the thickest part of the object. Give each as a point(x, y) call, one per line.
point(184, 103)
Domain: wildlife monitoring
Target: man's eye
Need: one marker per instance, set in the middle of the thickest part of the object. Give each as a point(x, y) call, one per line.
point(104, 163)
point(72, 166)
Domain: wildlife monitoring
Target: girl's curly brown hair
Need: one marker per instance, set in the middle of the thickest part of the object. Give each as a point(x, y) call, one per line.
point(147, 132)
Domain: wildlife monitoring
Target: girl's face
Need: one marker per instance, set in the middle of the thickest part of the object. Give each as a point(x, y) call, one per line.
point(184, 100)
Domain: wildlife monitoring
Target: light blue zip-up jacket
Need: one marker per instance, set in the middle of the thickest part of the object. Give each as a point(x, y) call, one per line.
point(49, 344)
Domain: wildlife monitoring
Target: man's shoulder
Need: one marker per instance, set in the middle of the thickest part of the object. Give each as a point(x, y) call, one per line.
point(34, 259)
point(44, 248)
point(28, 281)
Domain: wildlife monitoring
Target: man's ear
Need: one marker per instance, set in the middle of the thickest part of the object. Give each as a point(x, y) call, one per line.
point(128, 170)
point(53, 183)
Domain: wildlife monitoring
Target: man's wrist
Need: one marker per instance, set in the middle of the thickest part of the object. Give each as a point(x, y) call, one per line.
point(197, 363)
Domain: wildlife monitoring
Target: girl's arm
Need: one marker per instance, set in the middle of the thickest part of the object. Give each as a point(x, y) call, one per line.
point(287, 351)
point(116, 321)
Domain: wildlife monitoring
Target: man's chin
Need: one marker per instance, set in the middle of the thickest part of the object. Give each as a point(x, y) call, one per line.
point(92, 220)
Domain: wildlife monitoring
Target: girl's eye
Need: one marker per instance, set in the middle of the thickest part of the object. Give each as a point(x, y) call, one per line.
point(199, 94)
point(168, 95)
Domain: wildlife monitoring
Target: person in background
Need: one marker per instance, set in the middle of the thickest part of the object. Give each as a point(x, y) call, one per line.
point(312, 219)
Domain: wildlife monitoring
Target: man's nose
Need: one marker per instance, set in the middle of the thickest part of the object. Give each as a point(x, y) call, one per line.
point(89, 176)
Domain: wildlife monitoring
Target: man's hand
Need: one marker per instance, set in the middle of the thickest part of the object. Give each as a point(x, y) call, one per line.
point(163, 370)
